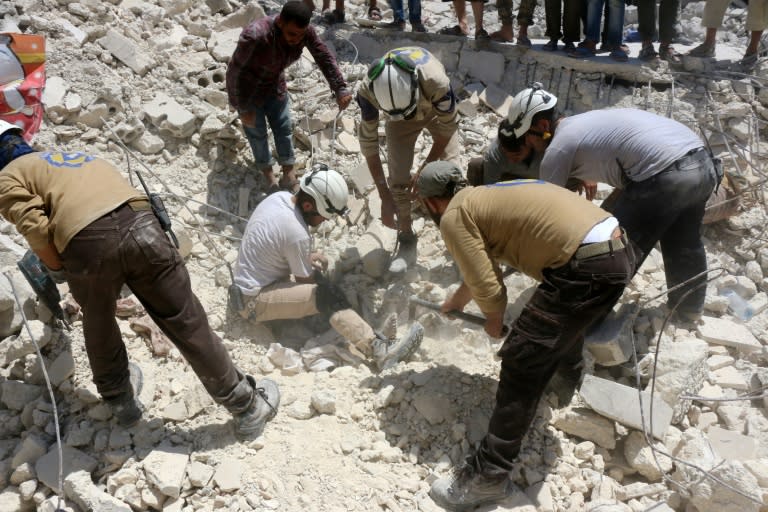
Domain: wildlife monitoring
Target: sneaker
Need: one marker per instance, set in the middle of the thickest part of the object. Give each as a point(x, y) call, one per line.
point(569, 47)
point(550, 45)
point(126, 408)
point(417, 26)
point(524, 41)
point(703, 50)
point(406, 253)
point(619, 55)
point(469, 488)
point(264, 404)
point(647, 53)
point(398, 25)
point(389, 352)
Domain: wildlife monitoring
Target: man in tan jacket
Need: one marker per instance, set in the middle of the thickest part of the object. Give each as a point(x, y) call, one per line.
point(583, 261)
point(90, 227)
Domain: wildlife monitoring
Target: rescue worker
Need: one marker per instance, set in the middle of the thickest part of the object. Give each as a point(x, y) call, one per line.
point(277, 245)
point(583, 261)
point(504, 159)
point(664, 169)
point(410, 87)
point(92, 229)
point(257, 89)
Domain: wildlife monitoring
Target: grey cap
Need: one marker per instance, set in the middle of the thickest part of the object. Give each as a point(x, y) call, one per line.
point(437, 177)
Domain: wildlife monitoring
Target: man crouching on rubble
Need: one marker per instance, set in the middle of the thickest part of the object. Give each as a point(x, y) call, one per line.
point(581, 257)
point(277, 245)
point(90, 227)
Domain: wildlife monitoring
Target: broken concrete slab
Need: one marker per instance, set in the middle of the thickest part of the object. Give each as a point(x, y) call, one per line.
point(731, 445)
point(125, 51)
point(165, 467)
point(640, 457)
point(681, 369)
point(374, 248)
point(79, 487)
point(621, 403)
point(167, 114)
point(47, 466)
point(497, 99)
point(728, 333)
point(585, 424)
point(229, 473)
point(610, 342)
point(729, 377)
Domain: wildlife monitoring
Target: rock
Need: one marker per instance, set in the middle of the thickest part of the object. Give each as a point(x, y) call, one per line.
point(165, 467)
point(373, 248)
point(729, 377)
point(640, 457)
point(731, 445)
point(62, 368)
point(540, 495)
point(681, 369)
point(324, 402)
point(79, 487)
point(199, 474)
point(222, 44)
point(47, 466)
point(22, 473)
point(16, 395)
point(585, 424)
point(12, 349)
point(728, 333)
point(610, 342)
point(167, 114)
point(11, 501)
point(621, 403)
point(639, 489)
point(29, 450)
point(126, 52)
point(229, 474)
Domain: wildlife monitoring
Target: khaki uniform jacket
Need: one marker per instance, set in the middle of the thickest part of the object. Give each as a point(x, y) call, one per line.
point(51, 196)
point(436, 100)
point(528, 224)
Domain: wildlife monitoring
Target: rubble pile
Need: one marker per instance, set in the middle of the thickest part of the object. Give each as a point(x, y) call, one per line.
point(150, 75)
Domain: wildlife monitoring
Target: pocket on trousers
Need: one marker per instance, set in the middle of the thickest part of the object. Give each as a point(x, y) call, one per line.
point(533, 333)
point(154, 245)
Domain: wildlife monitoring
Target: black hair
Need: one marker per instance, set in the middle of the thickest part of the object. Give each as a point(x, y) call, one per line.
point(507, 139)
point(12, 146)
point(297, 13)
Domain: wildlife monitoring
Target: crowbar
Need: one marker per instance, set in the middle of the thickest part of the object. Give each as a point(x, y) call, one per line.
point(467, 317)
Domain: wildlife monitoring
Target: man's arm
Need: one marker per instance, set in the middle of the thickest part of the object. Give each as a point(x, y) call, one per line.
point(329, 67)
point(26, 211)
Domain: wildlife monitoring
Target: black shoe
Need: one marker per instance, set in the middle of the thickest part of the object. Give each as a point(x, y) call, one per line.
point(469, 488)
point(126, 407)
point(406, 253)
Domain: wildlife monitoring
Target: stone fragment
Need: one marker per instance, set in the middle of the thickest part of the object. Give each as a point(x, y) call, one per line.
point(17, 347)
point(726, 332)
point(680, 370)
point(47, 466)
point(79, 487)
point(125, 51)
point(347, 143)
point(229, 474)
point(16, 395)
point(199, 474)
point(719, 361)
point(585, 424)
point(12, 501)
point(222, 43)
point(165, 467)
point(640, 457)
point(62, 368)
point(374, 246)
point(540, 495)
point(30, 449)
point(148, 143)
point(729, 377)
point(639, 489)
point(324, 402)
point(758, 383)
point(731, 445)
point(78, 35)
point(610, 342)
point(759, 468)
point(167, 114)
point(22, 473)
point(434, 408)
point(497, 99)
point(621, 403)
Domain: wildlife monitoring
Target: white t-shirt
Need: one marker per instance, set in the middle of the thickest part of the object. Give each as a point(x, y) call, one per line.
point(276, 244)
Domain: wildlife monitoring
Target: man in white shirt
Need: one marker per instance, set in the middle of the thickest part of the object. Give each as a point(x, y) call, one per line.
point(277, 245)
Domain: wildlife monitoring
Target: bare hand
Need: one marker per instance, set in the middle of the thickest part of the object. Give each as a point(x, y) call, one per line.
point(344, 101)
point(318, 261)
point(589, 188)
point(388, 212)
point(494, 324)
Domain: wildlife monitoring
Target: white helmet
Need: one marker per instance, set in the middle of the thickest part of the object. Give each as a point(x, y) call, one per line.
point(526, 104)
point(6, 126)
point(329, 190)
point(395, 85)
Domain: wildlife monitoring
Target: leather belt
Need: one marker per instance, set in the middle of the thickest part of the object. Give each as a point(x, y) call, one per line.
point(599, 248)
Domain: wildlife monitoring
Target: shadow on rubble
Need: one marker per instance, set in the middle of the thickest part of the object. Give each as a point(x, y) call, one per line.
point(441, 414)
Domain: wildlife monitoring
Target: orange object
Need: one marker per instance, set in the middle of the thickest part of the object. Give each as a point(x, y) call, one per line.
point(22, 79)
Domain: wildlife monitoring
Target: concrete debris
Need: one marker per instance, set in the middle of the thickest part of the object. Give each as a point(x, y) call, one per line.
point(728, 333)
point(610, 342)
point(165, 468)
point(126, 52)
point(681, 369)
point(47, 466)
point(79, 487)
point(731, 445)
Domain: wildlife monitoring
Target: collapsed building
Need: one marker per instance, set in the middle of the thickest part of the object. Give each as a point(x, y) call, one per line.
point(666, 419)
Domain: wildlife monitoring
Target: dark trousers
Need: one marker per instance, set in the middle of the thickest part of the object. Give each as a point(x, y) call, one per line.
point(669, 208)
point(129, 247)
point(550, 330)
point(570, 12)
point(646, 17)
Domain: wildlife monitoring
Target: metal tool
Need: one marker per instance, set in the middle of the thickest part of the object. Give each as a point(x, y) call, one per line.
point(461, 315)
point(42, 284)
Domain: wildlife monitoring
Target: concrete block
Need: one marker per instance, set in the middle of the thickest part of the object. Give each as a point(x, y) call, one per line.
point(165, 467)
point(640, 457)
point(242, 17)
point(47, 466)
point(681, 369)
point(540, 495)
point(62, 368)
point(12, 349)
point(79, 487)
point(126, 52)
point(361, 178)
point(29, 450)
point(610, 342)
point(585, 424)
point(497, 99)
point(148, 144)
point(729, 377)
point(719, 361)
point(374, 247)
point(485, 66)
point(167, 114)
point(222, 44)
point(16, 395)
point(229, 474)
point(199, 474)
point(731, 445)
point(728, 333)
point(78, 35)
point(621, 403)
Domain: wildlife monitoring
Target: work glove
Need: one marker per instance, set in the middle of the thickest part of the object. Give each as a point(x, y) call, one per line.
point(58, 276)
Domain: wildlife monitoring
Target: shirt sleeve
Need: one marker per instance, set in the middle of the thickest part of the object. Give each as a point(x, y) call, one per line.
point(481, 274)
point(326, 62)
point(297, 256)
point(440, 94)
point(556, 166)
point(368, 130)
point(26, 211)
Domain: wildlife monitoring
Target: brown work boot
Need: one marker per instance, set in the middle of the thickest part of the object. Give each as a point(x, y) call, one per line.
point(126, 407)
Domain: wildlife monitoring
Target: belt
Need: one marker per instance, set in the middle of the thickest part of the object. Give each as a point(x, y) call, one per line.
point(694, 152)
point(598, 248)
point(139, 205)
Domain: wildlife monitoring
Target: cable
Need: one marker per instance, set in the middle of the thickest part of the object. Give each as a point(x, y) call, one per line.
point(60, 478)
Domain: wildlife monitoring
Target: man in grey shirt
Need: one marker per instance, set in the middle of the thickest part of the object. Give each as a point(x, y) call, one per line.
point(663, 168)
point(504, 159)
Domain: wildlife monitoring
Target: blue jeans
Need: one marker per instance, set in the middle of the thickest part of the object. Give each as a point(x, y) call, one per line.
point(414, 10)
point(614, 29)
point(278, 114)
point(668, 208)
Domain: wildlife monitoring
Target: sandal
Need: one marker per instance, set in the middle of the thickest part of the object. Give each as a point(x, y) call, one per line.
point(647, 53)
point(374, 13)
point(333, 17)
point(482, 35)
point(703, 50)
point(669, 54)
point(452, 31)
